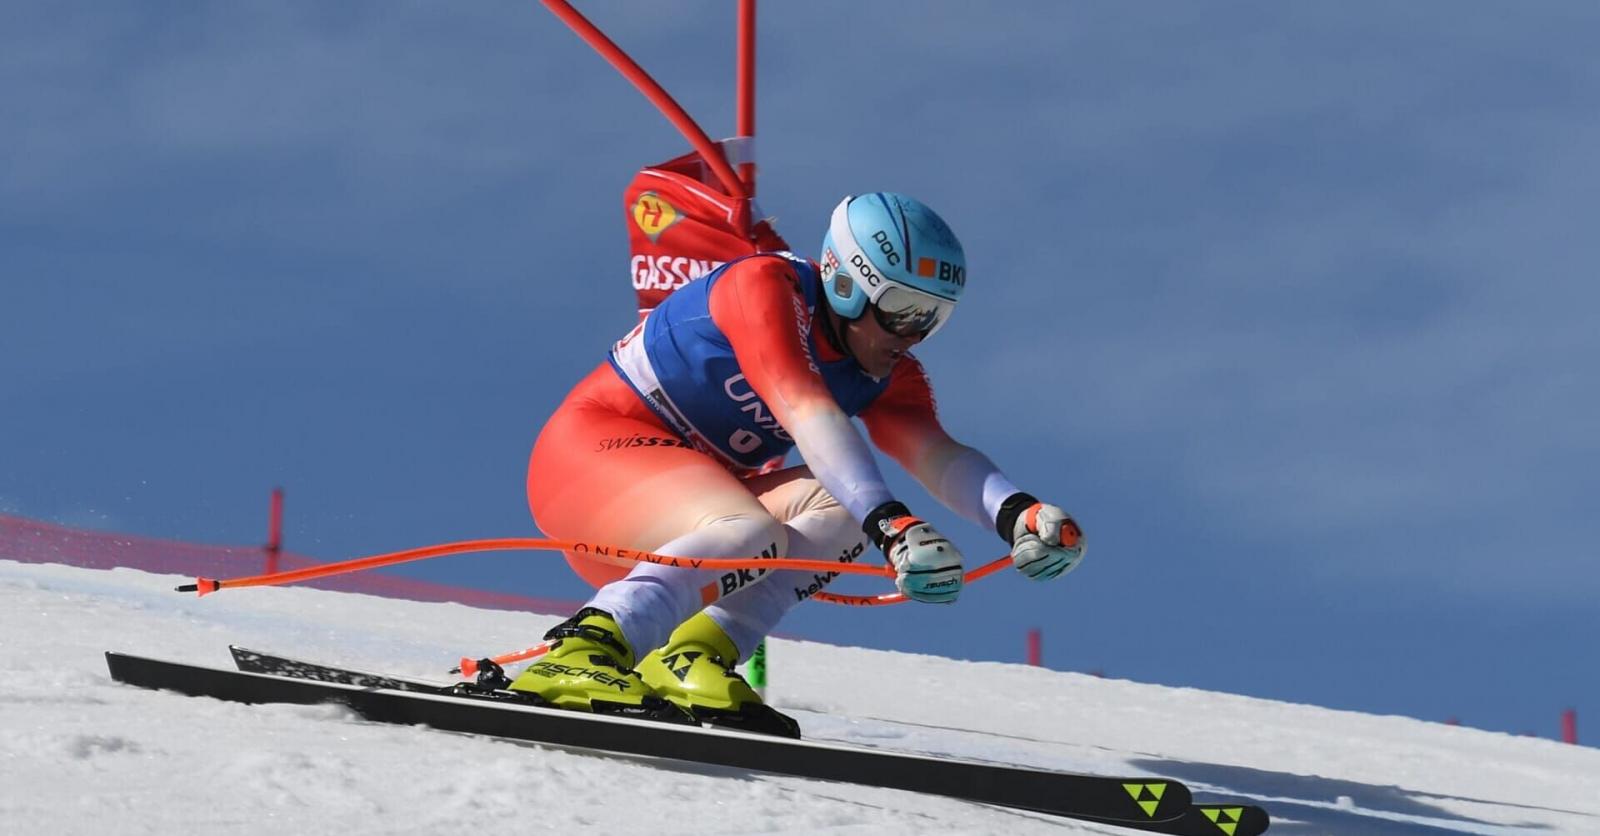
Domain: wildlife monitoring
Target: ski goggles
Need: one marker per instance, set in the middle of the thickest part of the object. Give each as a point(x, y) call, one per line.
point(909, 313)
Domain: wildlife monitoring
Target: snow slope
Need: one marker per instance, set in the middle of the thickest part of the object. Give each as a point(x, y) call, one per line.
point(80, 754)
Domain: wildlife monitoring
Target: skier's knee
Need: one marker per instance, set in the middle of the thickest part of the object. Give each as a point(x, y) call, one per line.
point(828, 522)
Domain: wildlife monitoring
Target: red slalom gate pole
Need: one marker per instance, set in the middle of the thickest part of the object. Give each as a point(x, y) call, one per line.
point(1035, 646)
point(274, 531)
point(745, 88)
point(1569, 726)
point(657, 95)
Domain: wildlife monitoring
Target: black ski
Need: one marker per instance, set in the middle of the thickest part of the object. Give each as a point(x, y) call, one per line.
point(1147, 804)
point(1211, 819)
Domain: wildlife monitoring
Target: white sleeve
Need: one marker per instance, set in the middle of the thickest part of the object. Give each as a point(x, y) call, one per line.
point(841, 460)
point(972, 486)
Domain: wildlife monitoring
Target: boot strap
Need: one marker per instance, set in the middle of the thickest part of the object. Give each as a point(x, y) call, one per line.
point(571, 629)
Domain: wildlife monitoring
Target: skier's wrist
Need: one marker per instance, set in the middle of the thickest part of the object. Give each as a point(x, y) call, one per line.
point(1005, 522)
point(880, 534)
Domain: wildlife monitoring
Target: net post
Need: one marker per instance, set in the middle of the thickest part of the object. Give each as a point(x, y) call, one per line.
point(274, 545)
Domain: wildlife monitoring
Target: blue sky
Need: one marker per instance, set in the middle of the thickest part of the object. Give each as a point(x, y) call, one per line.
point(1291, 304)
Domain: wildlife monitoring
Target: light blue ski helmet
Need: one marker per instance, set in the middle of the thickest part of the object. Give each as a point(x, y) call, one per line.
point(896, 254)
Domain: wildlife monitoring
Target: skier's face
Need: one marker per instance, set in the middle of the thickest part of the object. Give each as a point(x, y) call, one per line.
point(874, 347)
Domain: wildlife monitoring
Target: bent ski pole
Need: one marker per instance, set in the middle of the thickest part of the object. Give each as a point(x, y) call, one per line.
point(470, 667)
point(615, 555)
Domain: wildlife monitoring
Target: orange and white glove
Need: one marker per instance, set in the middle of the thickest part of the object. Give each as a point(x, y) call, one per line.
point(1045, 542)
point(927, 565)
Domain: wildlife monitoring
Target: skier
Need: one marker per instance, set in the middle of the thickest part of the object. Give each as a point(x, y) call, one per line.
point(661, 449)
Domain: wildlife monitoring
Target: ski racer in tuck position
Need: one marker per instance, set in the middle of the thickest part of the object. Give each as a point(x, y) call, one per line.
point(662, 449)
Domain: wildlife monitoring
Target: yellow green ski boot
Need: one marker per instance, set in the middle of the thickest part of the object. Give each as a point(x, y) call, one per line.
point(695, 671)
point(590, 668)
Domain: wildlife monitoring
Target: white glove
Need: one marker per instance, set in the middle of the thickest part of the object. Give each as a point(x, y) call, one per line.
point(1046, 543)
point(927, 566)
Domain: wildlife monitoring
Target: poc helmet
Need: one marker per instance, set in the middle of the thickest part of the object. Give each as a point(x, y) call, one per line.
point(893, 253)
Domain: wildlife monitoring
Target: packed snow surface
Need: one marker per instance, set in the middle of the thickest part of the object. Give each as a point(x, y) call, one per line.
point(82, 754)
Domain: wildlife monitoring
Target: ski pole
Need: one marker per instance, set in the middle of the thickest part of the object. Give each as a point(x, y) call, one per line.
point(616, 555)
point(469, 667)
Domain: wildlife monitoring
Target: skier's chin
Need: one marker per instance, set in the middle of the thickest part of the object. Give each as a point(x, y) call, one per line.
point(880, 361)
point(875, 350)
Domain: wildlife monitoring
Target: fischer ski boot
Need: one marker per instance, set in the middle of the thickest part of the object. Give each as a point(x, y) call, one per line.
point(695, 671)
point(589, 668)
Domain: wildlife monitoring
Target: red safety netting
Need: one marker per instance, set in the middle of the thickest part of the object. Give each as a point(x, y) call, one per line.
point(33, 541)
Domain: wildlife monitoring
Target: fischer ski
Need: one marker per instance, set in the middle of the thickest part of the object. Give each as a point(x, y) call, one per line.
point(1210, 819)
point(1145, 803)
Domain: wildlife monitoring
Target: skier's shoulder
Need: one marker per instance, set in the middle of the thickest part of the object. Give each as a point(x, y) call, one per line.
point(779, 273)
point(772, 263)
